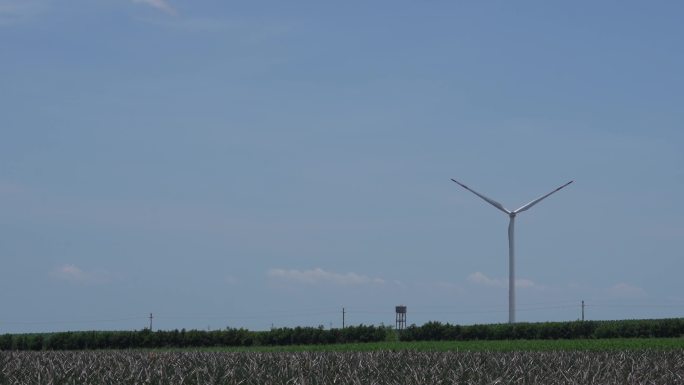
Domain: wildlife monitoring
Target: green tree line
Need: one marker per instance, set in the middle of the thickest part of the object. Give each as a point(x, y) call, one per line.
point(191, 338)
point(436, 331)
point(431, 331)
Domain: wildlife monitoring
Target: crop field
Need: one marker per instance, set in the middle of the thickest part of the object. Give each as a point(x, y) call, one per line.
point(370, 367)
point(610, 344)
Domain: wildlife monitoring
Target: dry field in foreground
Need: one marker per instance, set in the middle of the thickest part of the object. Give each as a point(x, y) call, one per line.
point(379, 367)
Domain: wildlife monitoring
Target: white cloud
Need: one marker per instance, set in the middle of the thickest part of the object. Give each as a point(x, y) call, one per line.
point(450, 287)
point(16, 11)
point(74, 274)
point(161, 5)
point(480, 279)
point(318, 275)
point(9, 188)
point(231, 280)
point(665, 232)
point(624, 290)
point(197, 24)
point(525, 283)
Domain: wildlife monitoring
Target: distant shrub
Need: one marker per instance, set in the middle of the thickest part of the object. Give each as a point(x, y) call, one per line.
point(431, 331)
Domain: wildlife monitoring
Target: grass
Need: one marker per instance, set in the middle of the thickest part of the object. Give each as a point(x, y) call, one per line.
point(617, 344)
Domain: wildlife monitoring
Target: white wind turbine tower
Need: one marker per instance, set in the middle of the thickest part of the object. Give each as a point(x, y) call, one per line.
point(511, 243)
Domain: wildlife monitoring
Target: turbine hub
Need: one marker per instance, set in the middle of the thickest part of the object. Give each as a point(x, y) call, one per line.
point(512, 215)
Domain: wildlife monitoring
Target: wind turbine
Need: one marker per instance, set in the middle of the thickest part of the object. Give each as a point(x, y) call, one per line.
point(511, 241)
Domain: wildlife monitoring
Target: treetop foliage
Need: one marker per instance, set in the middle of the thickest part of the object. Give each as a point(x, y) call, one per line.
point(431, 331)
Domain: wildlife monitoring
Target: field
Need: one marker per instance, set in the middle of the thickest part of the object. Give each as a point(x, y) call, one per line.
point(406, 367)
point(614, 344)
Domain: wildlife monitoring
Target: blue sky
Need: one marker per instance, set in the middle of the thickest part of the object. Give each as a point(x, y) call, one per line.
point(258, 163)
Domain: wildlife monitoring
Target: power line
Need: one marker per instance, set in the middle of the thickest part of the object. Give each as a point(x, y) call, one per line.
point(424, 310)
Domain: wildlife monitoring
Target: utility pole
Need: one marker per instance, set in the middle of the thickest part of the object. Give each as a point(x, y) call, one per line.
point(582, 310)
point(151, 321)
point(343, 318)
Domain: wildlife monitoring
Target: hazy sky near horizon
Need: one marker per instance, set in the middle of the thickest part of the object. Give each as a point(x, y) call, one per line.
point(258, 163)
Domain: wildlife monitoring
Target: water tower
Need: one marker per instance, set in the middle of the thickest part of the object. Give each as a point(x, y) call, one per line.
point(401, 317)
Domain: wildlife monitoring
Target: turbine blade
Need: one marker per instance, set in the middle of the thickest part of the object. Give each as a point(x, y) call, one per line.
point(534, 202)
point(490, 201)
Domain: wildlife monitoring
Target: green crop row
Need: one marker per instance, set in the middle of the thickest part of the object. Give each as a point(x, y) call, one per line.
point(600, 345)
